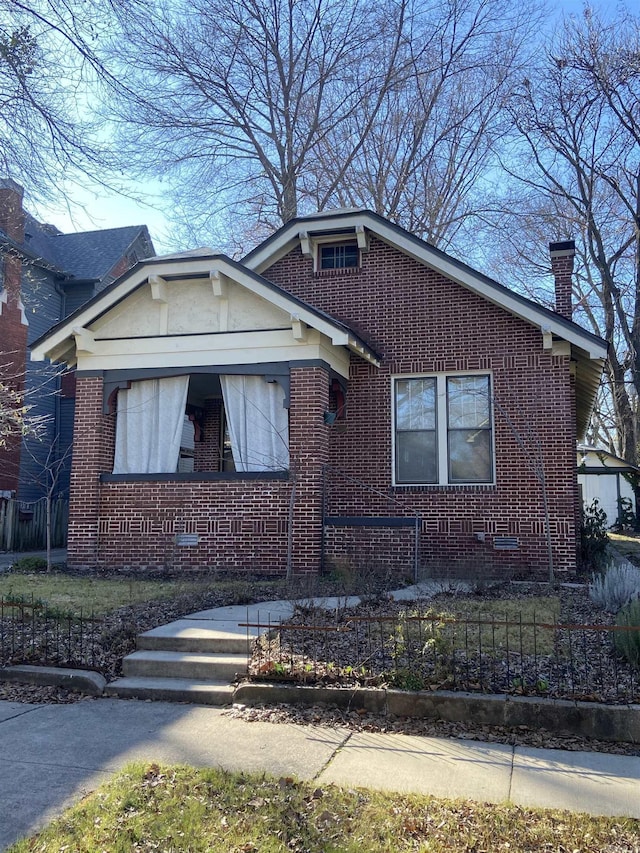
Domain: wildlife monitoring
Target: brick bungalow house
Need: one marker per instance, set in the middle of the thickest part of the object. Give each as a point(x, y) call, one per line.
point(346, 394)
point(44, 276)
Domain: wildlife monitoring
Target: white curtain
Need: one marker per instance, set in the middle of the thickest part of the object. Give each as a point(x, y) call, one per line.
point(258, 423)
point(149, 426)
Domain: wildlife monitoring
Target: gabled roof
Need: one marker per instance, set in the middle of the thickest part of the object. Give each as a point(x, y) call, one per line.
point(85, 255)
point(604, 456)
point(58, 343)
point(349, 219)
point(588, 351)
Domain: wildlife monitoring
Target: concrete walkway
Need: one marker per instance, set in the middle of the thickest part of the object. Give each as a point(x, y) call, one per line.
point(52, 755)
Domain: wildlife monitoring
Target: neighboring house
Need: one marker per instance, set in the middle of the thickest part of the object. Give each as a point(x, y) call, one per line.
point(355, 396)
point(48, 275)
point(607, 479)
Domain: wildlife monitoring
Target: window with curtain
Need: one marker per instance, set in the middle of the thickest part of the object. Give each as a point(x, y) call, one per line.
point(257, 421)
point(149, 426)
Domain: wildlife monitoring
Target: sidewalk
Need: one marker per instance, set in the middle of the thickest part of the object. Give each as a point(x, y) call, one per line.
point(8, 558)
point(52, 755)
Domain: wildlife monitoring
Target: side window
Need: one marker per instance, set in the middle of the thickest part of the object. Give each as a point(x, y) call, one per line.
point(416, 439)
point(469, 429)
point(443, 430)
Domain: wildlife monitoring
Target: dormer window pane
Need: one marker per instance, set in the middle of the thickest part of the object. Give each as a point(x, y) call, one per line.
point(338, 256)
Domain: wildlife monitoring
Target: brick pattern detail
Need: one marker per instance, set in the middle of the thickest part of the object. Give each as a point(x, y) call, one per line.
point(420, 323)
point(241, 526)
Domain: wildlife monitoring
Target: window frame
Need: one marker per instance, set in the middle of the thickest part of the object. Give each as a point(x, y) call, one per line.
point(442, 430)
point(335, 240)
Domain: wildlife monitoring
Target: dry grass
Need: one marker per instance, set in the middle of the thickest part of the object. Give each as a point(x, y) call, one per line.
point(149, 808)
point(87, 594)
point(627, 544)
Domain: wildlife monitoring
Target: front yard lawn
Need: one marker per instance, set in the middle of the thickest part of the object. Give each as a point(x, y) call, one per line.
point(113, 612)
point(88, 594)
point(148, 807)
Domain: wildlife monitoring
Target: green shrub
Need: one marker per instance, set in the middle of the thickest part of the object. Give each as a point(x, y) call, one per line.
point(29, 564)
point(593, 538)
point(628, 642)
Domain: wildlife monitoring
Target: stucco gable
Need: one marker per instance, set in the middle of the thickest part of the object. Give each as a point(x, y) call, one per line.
point(188, 307)
point(165, 299)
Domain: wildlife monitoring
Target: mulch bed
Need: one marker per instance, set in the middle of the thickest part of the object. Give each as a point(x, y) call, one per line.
point(120, 628)
point(365, 646)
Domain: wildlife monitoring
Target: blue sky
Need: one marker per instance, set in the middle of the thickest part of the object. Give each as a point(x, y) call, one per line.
point(94, 207)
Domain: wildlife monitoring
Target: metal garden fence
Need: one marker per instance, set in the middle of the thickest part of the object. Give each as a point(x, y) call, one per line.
point(33, 634)
point(432, 651)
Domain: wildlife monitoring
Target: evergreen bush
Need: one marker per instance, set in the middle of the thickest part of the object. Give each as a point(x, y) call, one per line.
point(628, 642)
point(593, 538)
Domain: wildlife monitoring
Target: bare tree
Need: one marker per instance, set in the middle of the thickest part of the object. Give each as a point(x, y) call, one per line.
point(428, 148)
point(274, 108)
point(578, 118)
point(47, 465)
point(16, 416)
point(50, 66)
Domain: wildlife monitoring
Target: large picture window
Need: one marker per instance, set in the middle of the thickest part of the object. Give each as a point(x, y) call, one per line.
point(443, 430)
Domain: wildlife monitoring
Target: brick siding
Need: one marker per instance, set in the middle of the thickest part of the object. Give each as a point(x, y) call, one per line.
point(13, 331)
point(420, 323)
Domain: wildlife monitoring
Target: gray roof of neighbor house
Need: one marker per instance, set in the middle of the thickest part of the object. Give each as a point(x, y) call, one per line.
point(86, 255)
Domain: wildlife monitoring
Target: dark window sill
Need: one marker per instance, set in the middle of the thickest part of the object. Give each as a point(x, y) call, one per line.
point(445, 487)
point(194, 477)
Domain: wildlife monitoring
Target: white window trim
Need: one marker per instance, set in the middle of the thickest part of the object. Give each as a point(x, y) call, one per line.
point(332, 240)
point(442, 443)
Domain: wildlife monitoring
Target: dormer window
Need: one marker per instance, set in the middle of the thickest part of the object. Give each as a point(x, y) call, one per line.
point(338, 256)
point(335, 252)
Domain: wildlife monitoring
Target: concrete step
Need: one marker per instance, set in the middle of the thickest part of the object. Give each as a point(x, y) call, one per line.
point(193, 635)
point(172, 690)
point(148, 663)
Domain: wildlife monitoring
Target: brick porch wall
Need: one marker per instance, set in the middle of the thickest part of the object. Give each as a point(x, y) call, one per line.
point(240, 525)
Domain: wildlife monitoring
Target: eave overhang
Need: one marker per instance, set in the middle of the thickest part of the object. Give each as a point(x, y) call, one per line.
point(588, 352)
point(62, 341)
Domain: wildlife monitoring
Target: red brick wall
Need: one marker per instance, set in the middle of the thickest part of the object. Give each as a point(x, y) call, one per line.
point(93, 446)
point(309, 451)
point(13, 332)
point(208, 450)
point(421, 323)
point(241, 525)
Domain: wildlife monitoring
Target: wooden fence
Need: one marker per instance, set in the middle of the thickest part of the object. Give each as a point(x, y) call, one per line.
point(23, 527)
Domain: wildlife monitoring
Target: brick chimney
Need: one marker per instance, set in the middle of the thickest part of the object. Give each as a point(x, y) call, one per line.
point(11, 211)
point(562, 255)
point(13, 323)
